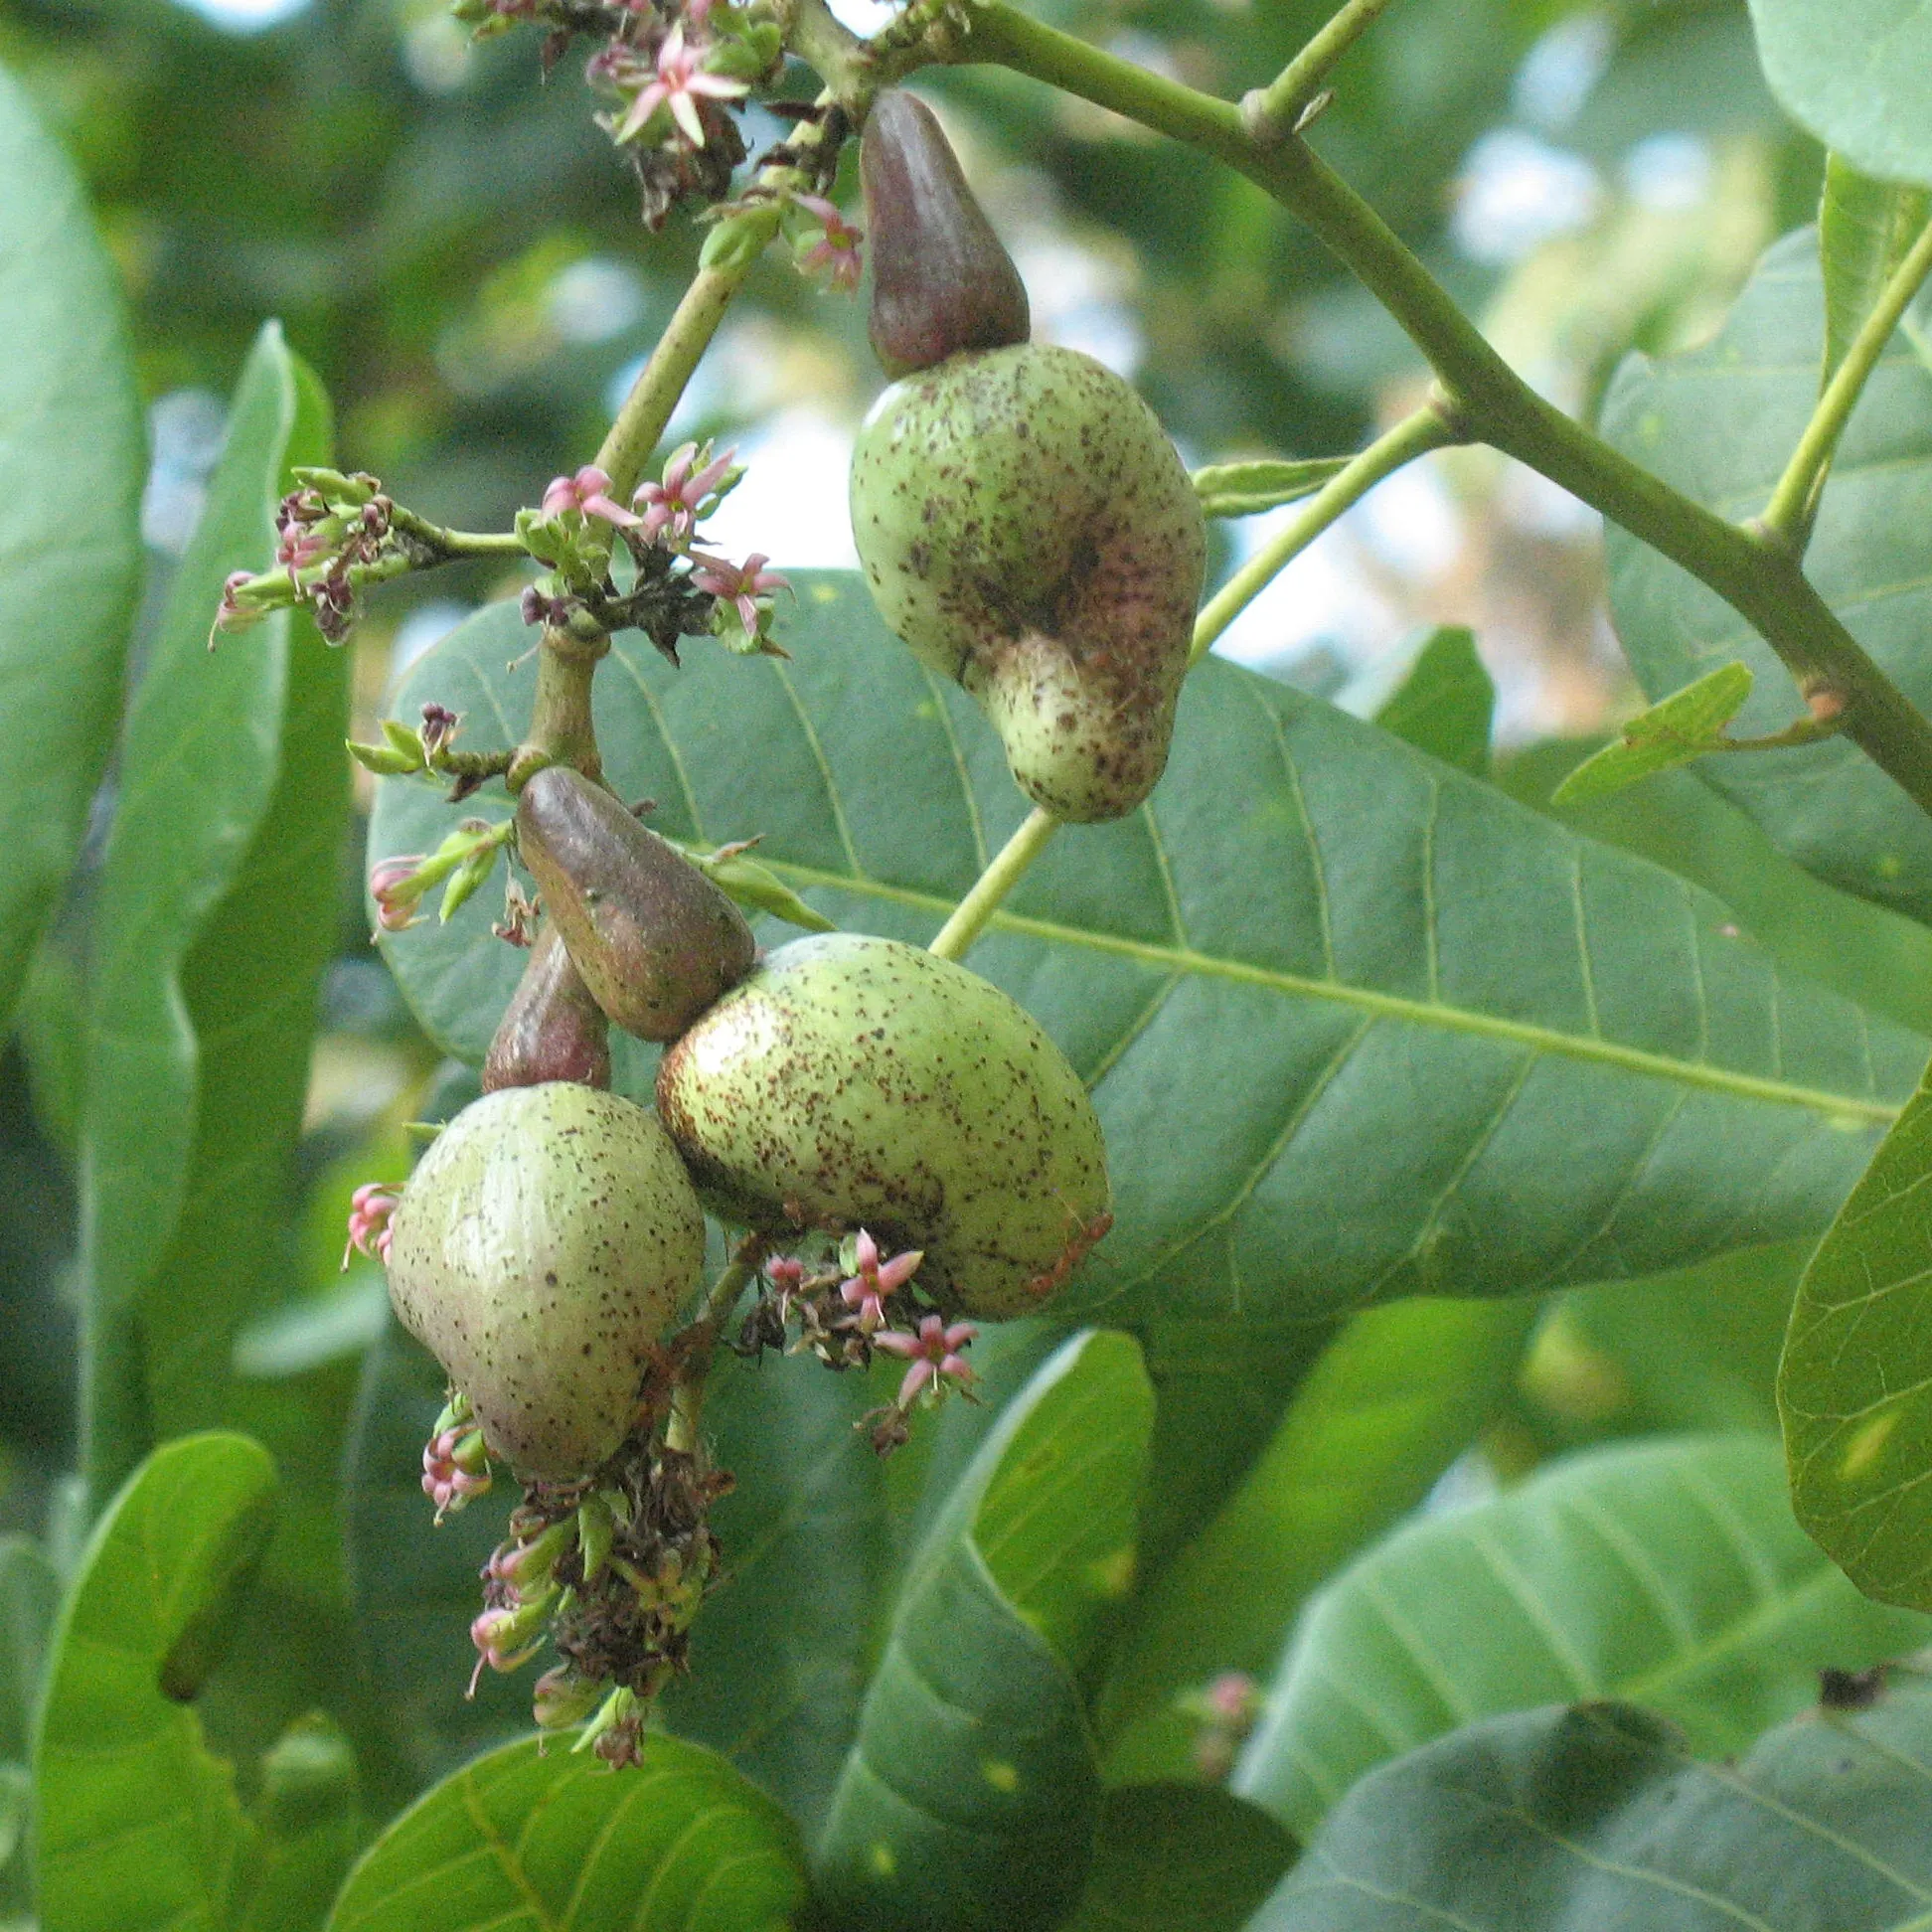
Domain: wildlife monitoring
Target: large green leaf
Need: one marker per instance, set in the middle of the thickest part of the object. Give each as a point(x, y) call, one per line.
point(137, 1827)
point(970, 1796)
point(1598, 1817)
point(1390, 1406)
point(1318, 966)
point(71, 469)
point(519, 1841)
point(1179, 1855)
point(1864, 227)
point(1719, 423)
point(1854, 1385)
point(1857, 73)
point(214, 916)
point(1669, 1571)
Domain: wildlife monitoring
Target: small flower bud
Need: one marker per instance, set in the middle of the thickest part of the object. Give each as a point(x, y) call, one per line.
point(562, 1699)
point(597, 1529)
point(382, 759)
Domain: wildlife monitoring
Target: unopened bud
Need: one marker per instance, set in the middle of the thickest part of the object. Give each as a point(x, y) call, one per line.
point(383, 760)
point(561, 1698)
point(597, 1529)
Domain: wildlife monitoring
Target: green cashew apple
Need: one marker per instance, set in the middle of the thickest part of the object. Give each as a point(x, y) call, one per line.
point(542, 1246)
point(654, 939)
point(1027, 529)
point(552, 1030)
point(854, 1081)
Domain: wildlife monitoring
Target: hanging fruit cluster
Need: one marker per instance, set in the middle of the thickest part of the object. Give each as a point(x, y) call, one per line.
point(908, 1152)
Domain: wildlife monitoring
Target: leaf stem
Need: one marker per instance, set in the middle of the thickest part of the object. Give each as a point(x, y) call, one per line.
point(1787, 518)
point(1272, 112)
point(1010, 863)
point(699, 1342)
point(1426, 428)
point(1752, 570)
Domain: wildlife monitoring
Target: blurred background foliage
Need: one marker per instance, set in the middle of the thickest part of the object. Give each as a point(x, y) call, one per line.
point(457, 250)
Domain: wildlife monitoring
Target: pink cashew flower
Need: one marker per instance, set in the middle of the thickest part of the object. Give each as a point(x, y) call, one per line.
point(672, 508)
point(866, 1291)
point(456, 1467)
point(370, 1208)
point(835, 254)
point(935, 1353)
point(741, 584)
point(392, 884)
point(506, 1637)
point(680, 80)
point(588, 491)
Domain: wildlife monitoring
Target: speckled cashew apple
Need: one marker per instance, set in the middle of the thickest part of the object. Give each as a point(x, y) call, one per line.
point(854, 1081)
point(543, 1244)
point(1024, 521)
point(552, 1030)
point(655, 941)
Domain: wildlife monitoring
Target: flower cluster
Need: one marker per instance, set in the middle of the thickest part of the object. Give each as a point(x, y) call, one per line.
point(659, 528)
point(330, 531)
point(613, 1572)
point(455, 1460)
point(370, 1208)
point(465, 859)
point(824, 245)
point(847, 1312)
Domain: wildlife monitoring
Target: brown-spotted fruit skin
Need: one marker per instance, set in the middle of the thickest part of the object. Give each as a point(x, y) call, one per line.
point(1029, 530)
point(545, 1241)
point(654, 939)
point(552, 1030)
point(942, 280)
point(854, 1081)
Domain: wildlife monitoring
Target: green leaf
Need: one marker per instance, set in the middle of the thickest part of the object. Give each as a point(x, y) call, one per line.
point(1669, 1571)
point(1597, 1816)
point(970, 1796)
point(1170, 1855)
point(214, 916)
point(136, 1826)
point(1857, 73)
point(1685, 726)
point(1852, 1386)
point(310, 1827)
point(1864, 227)
point(1347, 972)
point(1390, 1406)
point(1246, 489)
point(517, 1839)
point(71, 463)
point(1445, 705)
point(29, 1596)
point(1719, 424)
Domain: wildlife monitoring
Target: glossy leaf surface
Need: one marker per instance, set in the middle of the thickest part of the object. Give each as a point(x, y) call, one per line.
point(1719, 423)
point(1857, 73)
point(1316, 966)
point(1852, 1386)
point(71, 460)
point(207, 955)
point(1599, 1817)
point(971, 1796)
point(137, 1827)
point(521, 1842)
point(1668, 1572)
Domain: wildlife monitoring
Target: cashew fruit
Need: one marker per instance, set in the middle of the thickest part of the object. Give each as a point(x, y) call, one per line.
point(1026, 527)
point(552, 1030)
point(543, 1244)
point(854, 1081)
point(654, 939)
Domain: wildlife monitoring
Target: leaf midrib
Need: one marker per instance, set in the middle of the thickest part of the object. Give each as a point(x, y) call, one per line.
point(1392, 1006)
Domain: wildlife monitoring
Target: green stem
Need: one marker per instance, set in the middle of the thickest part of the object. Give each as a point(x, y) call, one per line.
point(1427, 428)
point(452, 544)
point(647, 409)
point(1758, 577)
point(1788, 516)
point(699, 1342)
point(1272, 112)
point(562, 727)
point(1008, 867)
